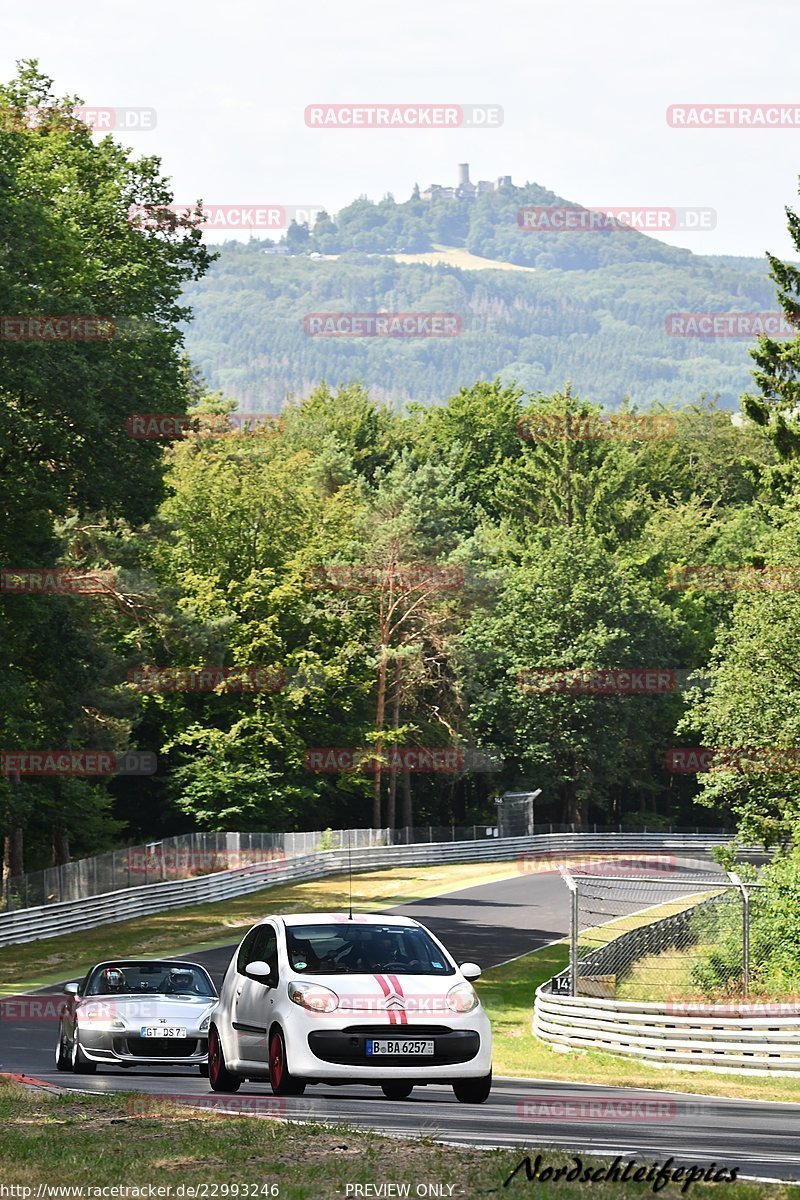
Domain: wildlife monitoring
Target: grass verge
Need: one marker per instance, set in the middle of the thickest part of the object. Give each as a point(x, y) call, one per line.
point(183, 931)
point(507, 993)
point(68, 1139)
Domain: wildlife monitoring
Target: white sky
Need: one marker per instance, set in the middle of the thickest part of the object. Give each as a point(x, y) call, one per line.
point(584, 88)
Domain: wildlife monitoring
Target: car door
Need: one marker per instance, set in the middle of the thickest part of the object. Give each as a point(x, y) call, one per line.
point(254, 1001)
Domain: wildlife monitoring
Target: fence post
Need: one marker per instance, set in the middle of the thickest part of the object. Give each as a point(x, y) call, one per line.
point(573, 931)
point(745, 932)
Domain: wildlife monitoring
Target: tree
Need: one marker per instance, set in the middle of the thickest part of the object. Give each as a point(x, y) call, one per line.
point(569, 606)
point(69, 248)
point(752, 701)
point(477, 433)
point(777, 408)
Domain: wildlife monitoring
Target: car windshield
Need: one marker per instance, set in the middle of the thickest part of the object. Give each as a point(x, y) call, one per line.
point(147, 978)
point(354, 949)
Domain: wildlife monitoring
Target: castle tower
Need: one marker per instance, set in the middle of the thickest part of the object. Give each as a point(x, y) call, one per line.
point(463, 174)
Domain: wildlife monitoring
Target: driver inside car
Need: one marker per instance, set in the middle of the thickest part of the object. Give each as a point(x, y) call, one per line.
point(180, 982)
point(113, 981)
point(388, 951)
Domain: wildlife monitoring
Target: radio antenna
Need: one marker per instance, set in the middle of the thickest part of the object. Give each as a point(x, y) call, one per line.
point(350, 873)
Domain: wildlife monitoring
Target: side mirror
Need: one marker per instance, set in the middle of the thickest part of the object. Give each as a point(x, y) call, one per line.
point(259, 971)
point(71, 989)
point(470, 971)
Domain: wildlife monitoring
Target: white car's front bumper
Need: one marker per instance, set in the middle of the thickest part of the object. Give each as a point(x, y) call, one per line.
point(318, 1047)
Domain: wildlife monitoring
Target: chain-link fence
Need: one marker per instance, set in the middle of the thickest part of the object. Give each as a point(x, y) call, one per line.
point(642, 935)
point(515, 813)
point(193, 854)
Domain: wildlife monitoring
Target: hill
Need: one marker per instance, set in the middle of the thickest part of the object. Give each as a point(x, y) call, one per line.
point(593, 309)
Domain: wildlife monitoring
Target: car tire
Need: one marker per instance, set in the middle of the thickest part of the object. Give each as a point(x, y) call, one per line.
point(220, 1078)
point(63, 1055)
point(203, 1069)
point(473, 1091)
point(397, 1089)
point(79, 1063)
point(282, 1082)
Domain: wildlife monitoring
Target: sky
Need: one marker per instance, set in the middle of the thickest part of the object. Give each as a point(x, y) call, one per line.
point(584, 90)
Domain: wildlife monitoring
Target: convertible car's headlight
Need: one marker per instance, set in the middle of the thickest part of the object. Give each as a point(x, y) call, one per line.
point(314, 997)
point(204, 1024)
point(462, 998)
point(116, 1024)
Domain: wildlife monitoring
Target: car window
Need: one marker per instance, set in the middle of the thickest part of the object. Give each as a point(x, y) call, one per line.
point(244, 956)
point(364, 949)
point(126, 978)
point(260, 945)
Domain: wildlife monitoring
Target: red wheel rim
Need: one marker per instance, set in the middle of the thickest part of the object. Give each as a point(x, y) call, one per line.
point(276, 1060)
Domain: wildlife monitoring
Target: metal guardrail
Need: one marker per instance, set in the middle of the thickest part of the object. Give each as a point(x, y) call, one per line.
point(50, 920)
point(708, 1038)
point(189, 854)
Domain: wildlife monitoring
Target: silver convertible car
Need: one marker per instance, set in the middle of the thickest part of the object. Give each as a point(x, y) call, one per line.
point(134, 1013)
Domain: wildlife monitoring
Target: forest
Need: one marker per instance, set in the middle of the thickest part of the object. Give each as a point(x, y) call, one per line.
point(361, 610)
point(593, 307)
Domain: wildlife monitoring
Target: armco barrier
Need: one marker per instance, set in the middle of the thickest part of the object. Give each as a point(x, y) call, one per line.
point(33, 924)
point(747, 1043)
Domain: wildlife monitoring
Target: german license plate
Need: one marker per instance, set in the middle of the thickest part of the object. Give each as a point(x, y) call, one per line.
point(399, 1046)
point(163, 1031)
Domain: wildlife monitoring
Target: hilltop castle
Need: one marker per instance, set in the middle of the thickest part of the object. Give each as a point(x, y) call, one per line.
point(465, 189)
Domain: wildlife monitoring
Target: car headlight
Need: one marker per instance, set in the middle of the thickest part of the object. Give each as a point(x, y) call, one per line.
point(116, 1024)
point(462, 998)
point(204, 1024)
point(314, 997)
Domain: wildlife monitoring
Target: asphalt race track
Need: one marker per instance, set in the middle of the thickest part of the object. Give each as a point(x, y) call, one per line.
point(489, 924)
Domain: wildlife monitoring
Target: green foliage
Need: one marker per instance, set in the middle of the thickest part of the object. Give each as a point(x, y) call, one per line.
point(67, 464)
point(562, 545)
point(774, 936)
point(751, 703)
point(591, 309)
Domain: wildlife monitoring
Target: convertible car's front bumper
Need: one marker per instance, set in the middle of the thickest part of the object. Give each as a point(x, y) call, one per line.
point(125, 1048)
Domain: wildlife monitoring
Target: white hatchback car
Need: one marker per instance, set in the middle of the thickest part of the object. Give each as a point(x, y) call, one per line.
point(313, 998)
